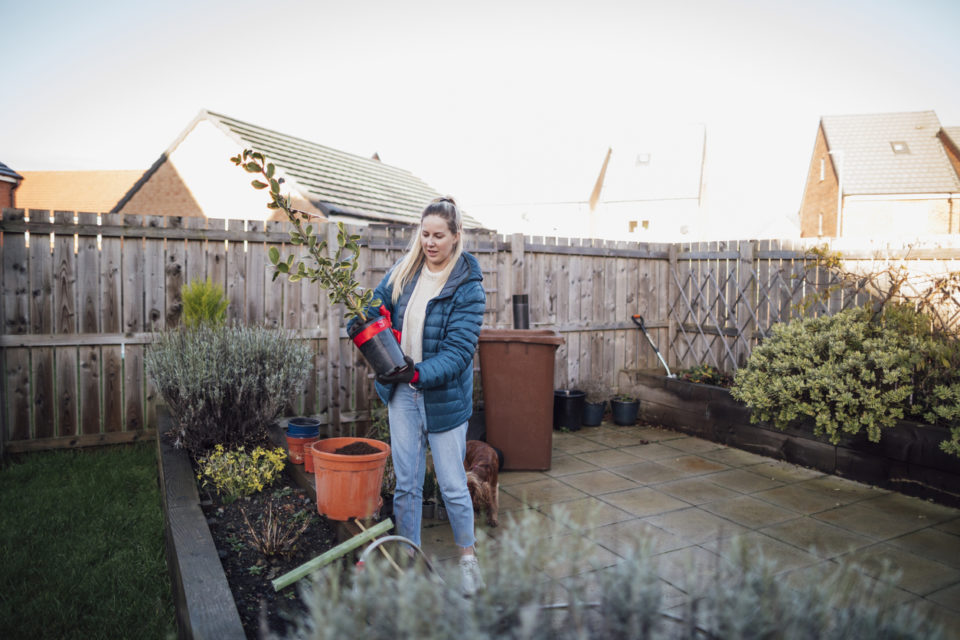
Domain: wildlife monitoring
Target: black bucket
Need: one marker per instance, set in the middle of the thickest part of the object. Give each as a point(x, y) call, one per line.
point(568, 408)
point(625, 412)
point(378, 345)
point(521, 311)
point(593, 413)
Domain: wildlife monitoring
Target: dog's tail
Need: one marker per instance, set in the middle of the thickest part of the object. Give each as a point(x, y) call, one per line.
point(499, 459)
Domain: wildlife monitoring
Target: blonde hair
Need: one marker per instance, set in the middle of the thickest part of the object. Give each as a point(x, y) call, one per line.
point(406, 269)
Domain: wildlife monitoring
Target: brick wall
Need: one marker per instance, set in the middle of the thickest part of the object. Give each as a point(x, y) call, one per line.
point(819, 195)
point(163, 194)
point(6, 194)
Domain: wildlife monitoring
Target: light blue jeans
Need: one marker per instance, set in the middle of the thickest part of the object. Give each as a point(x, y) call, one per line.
point(408, 444)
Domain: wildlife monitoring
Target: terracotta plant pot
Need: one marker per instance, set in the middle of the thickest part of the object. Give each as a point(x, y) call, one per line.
point(296, 447)
point(348, 486)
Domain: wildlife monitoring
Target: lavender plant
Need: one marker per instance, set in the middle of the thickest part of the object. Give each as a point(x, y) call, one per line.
point(225, 385)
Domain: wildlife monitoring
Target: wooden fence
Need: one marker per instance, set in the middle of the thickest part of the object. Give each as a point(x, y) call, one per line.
point(82, 295)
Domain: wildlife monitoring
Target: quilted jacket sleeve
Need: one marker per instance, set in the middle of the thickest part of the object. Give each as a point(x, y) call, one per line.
point(458, 342)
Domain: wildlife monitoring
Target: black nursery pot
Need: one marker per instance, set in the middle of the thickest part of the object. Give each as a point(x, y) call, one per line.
point(378, 345)
point(593, 413)
point(567, 408)
point(625, 412)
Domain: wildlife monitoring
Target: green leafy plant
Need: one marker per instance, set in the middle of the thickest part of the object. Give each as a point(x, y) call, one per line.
point(856, 370)
point(203, 303)
point(337, 274)
point(706, 374)
point(236, 473)
point(225, 385)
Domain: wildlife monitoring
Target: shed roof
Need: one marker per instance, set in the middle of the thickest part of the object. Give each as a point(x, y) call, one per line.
point(890, 153)
point(953, 134)
point(91, 191)
point(337, 182)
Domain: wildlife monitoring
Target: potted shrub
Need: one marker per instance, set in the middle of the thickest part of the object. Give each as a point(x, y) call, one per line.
point(595, 403)
point(625, 409)
point(336, 275)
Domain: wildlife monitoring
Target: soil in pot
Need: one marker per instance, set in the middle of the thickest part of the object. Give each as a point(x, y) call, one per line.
point(357, 449)
point(248, 571)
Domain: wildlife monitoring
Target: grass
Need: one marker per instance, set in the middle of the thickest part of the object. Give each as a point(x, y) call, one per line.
point(81, 546)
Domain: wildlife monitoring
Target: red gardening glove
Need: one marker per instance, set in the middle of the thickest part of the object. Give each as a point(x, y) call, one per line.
point(386, 314)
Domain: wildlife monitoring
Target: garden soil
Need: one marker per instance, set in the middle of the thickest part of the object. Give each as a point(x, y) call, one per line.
point(248, 571)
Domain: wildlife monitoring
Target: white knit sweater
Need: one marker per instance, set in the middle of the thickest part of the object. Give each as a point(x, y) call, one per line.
point(428, 286)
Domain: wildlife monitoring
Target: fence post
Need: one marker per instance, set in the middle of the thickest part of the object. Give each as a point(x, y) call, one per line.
point(747, 301)
point(334, 314)
point(672, 295)
point(516, 266)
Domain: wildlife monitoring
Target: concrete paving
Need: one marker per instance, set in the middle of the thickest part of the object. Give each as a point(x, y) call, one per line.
point(691, 496)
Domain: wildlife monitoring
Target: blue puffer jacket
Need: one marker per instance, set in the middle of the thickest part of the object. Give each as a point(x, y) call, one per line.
point(451, 330)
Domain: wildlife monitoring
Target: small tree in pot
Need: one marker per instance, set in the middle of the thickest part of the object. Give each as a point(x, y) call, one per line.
point(336, 274)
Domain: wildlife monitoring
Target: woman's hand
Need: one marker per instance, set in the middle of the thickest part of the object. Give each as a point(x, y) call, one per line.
point(407, 374)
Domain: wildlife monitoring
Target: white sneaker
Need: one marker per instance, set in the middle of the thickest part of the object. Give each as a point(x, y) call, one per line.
point(470, 579)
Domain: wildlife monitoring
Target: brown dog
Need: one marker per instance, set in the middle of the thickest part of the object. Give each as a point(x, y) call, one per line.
point(482, 464)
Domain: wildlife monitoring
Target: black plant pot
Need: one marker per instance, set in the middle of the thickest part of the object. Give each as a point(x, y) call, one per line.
point(568, 408)
point(378, 345)
point(593, 413)
point(625, 412)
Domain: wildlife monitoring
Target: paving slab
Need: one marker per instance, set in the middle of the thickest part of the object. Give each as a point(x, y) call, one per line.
point(567, 464)
point(749, 511)
point(819, 538)
point(695, 525)
point(917, 574)
point(696, 491)
point(597, 483)
point(743, 480)
point(643, 501)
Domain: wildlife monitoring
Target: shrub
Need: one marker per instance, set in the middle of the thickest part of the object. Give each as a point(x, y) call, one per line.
point(236, 473)
point(853, 371)
point(541, 586)
point(203, 303)
point(705, 374)
point(225, 385)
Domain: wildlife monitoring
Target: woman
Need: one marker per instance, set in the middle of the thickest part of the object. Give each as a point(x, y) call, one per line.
point(435, 297)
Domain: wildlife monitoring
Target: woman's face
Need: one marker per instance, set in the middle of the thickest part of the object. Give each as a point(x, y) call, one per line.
point(437, 242)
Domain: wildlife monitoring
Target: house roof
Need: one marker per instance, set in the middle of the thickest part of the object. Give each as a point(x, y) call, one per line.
point(953, 134)
point(336, 182)
point(92, 191)
point(7, 172)
point(890, 153)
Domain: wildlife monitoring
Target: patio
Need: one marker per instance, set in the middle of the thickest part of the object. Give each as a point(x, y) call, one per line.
point(690, 495)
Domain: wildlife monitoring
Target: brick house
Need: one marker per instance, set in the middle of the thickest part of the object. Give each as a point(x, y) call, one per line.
point(87, 191)
point(9, 181)
point(882, 174)
point(194, 177)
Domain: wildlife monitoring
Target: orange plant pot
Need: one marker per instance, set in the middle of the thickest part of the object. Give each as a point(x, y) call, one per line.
point(295, 446)
point(348, 486)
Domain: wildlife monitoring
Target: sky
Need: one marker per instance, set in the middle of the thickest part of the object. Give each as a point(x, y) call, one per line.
point(495, 101)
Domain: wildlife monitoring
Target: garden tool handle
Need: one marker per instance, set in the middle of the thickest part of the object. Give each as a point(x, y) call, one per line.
point(638, 320)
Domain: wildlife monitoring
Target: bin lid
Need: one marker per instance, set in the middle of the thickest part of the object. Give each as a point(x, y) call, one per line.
point(528, 336)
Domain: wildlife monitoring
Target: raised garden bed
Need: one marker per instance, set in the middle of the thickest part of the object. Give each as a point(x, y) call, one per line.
point(205, 604)
point(907, 459)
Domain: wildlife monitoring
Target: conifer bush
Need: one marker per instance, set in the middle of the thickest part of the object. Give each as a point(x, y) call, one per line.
point(203, 303)
point(226, 384)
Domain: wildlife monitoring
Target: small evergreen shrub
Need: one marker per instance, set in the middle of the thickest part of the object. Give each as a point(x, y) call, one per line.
point(225, 385)
point(203, 303)
point(853, 371)
point(237, 473)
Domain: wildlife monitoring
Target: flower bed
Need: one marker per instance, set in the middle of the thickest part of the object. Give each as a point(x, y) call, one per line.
point(205, 603)
point(907, 458)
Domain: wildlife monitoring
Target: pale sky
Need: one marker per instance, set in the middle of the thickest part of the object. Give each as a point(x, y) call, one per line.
point(494, 102)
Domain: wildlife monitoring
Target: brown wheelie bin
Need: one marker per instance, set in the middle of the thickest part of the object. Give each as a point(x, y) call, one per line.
point(516, 370)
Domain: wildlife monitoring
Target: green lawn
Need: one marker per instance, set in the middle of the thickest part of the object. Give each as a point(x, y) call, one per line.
point(81, 546)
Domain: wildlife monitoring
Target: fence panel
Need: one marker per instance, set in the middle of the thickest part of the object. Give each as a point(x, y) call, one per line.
point(80, 302)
